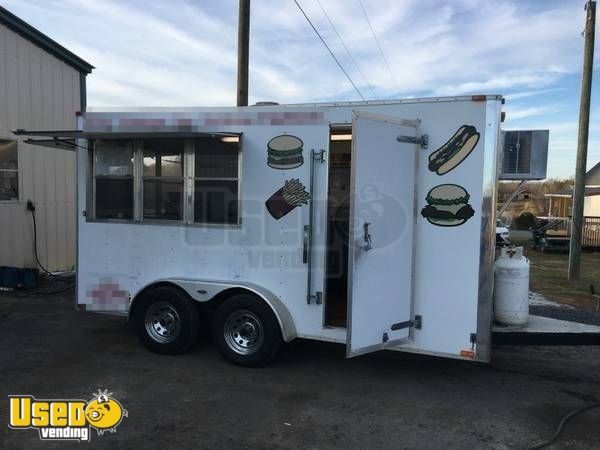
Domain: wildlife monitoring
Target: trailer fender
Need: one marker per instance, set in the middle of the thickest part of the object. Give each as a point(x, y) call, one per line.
point(205, 290)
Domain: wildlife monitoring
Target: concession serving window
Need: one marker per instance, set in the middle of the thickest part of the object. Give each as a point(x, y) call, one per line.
point(187, 178)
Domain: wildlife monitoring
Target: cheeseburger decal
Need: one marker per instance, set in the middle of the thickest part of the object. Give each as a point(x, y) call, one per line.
point(291, 195)
point(454, 151)
point(284, 152)
point(447, 206)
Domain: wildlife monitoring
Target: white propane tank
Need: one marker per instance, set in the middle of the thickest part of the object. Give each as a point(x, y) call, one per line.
point(511, 287)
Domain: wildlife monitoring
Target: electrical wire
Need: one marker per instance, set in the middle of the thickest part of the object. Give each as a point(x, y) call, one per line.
point(347, 50)
point(362, 7)
point(329, 50)
point(561, 424)
point(35, 252)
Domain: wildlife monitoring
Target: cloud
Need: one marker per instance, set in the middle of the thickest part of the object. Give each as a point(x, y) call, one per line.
point(183, 52)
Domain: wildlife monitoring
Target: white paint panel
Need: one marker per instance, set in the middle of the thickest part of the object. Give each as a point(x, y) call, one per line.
point(381, 217)
point(447, 263)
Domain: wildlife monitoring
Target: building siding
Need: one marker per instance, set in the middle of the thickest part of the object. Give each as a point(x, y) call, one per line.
point(38, 92)
point(591, 206)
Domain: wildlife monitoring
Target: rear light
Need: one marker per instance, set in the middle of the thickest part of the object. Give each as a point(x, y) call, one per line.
point(467, 354)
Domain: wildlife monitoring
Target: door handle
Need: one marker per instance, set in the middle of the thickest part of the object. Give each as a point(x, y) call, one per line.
point(306, 244)
point(367, 237)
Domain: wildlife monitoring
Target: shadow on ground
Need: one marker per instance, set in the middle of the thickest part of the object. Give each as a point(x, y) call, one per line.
point(311, 397)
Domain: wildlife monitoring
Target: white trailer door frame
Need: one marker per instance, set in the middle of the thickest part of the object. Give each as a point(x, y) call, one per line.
point(381, 239)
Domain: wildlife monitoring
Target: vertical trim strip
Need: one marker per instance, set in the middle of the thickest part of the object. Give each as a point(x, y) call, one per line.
point(488, 241)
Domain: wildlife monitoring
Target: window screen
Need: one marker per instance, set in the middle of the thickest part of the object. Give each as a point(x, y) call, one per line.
point(216, 180)
point(9, 174)
point(163, 179)
point(113, 170)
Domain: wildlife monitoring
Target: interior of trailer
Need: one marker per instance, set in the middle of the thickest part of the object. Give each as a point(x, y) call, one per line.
point(338, 219)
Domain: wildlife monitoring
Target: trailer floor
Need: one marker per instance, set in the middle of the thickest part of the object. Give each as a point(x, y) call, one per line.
point(311, 397)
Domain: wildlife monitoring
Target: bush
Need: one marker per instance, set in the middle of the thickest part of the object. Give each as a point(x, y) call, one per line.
point(525, 221)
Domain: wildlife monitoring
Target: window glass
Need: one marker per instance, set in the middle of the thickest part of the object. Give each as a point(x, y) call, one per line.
point(216, 201)
point(163, 179)
point(9, 174)
point(216, 159)
point(162, 199)
point(216, 182)
point(163, 158)
point(114, 198)
point(114, 179)
point(114, 158)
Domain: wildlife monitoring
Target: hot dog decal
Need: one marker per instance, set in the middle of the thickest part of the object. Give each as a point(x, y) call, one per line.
point(291, 195)
point(455, 150)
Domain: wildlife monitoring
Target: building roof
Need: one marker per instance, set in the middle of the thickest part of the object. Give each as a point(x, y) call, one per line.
point(44, 42)
point(592, 176)
point(569, 192)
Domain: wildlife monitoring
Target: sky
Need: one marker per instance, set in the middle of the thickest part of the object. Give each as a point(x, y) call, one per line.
point(183, 53)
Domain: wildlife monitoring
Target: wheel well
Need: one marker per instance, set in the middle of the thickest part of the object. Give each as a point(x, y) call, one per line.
point(206, 308)
point(151, 287)
point(216, 301)
point(210, 305)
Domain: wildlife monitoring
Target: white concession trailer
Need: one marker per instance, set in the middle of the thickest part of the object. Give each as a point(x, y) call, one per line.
point(370, 224)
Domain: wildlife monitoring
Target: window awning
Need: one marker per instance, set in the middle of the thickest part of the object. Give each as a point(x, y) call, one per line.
point(62, 143)
point(66, 139)
point(80, 134)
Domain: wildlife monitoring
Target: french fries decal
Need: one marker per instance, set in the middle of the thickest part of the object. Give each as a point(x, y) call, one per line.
point(455, 150)
point(290, 196)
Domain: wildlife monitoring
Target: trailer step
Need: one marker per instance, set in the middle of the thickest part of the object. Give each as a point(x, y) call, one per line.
point(546, 331)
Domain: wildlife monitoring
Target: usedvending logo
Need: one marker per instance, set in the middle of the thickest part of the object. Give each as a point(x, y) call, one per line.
point(66, 419)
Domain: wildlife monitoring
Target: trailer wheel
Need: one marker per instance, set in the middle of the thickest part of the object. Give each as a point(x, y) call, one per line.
point(246, 331)
point(166, 321)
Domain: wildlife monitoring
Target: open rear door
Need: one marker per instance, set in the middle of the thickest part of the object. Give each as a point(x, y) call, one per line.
point(381, 246)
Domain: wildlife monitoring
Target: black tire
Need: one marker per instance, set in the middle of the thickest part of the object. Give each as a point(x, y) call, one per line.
point(172, 306)
point(258, 331)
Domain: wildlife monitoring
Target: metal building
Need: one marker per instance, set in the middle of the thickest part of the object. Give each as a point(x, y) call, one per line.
point(42, 86)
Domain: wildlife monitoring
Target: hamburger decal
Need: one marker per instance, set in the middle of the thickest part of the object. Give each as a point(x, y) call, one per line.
point(455, 150)
point(284, 152)
point(447, 206)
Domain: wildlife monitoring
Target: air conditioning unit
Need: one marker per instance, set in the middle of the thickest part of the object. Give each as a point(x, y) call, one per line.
point(524, 154)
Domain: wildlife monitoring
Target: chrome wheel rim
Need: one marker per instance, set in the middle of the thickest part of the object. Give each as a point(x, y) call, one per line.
point(162, 322)
point(243, 332)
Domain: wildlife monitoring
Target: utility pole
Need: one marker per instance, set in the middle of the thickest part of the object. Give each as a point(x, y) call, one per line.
point(243, 52)
point(582, 142)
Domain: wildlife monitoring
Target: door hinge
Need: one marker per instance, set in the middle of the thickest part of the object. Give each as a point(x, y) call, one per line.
point(317, 298)
point(422, 140)
point(319, 156)
point(416, 323)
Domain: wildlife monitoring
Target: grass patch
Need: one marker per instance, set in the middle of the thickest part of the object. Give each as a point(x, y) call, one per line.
point(549, 273)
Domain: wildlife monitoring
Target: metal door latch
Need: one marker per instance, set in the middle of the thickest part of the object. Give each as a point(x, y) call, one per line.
point(317, 298)
point(416, 323)
point(367, 237)
point(422, 140)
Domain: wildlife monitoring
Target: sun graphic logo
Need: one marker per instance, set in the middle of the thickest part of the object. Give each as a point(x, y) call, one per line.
point(63, 419)
point(104, 413)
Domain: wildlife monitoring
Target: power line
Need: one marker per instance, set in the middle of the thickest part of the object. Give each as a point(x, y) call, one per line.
point(347, 49)
point(378, 45)
point(329, 50)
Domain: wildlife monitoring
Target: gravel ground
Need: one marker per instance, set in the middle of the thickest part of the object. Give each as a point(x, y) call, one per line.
point(311, 397)
point(571, 314)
